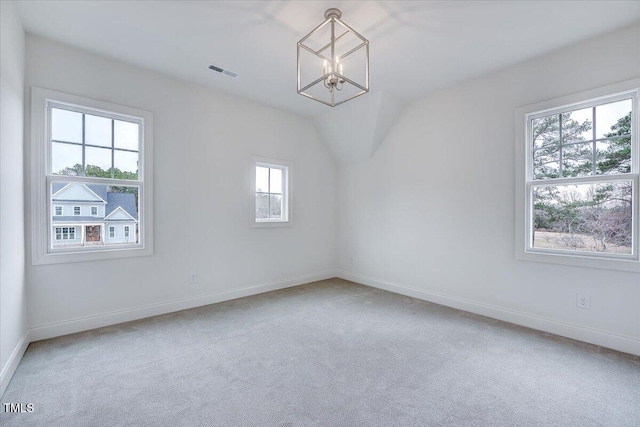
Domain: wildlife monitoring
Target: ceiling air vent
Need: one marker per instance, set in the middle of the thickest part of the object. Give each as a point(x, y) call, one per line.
point(223, 71)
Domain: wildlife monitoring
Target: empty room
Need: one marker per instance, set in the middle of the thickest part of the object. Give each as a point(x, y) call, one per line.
point(315, 213)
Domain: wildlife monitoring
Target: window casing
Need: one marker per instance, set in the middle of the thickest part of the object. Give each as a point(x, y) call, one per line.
point(58, 210)
point(577, 179)
point(112, 232)
point(84, 145)
point(270, 193)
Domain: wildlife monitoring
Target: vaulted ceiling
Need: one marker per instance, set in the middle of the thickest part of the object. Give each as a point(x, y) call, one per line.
point(417, 47)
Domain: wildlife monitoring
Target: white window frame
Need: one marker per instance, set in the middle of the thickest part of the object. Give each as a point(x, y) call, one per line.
point(287, 174)
point(127, 232)
point(79, 209)
point(41, 178)
point(55, 210)
point(524, 179)
point(112, 232)
point(91, 210)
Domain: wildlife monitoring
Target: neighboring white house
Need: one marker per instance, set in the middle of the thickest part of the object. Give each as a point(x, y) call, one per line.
point(92, 215)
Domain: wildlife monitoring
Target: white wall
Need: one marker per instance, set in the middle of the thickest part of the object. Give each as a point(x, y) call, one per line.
point(204, 141)
point(13, 310)
point(432, 213)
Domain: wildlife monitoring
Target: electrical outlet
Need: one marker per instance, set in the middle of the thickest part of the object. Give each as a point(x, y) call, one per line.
point(583, 301)
point(193, 278)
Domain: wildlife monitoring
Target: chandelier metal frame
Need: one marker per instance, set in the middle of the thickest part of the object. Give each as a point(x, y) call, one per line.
point(333, 77)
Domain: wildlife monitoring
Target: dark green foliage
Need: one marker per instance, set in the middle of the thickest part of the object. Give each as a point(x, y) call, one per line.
point(98, 172)
point(617, 158)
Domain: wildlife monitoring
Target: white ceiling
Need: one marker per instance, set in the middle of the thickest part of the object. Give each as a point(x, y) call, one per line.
point(417, 47)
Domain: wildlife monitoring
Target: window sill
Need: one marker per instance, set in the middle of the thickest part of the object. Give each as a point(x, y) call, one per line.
point(271, 224)
point(631, 265)
point(59, 257)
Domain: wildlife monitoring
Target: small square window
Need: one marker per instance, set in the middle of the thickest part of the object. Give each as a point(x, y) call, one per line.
point(58, 210)
point(76, 210)
point(94, 211)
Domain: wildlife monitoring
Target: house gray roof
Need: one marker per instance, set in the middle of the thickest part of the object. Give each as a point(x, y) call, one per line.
point(100, 190)
point(126, 201)
point(57, 186)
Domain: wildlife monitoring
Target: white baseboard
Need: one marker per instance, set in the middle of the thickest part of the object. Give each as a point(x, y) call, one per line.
point(605, 339)
point(12, 364)
point(52, 330)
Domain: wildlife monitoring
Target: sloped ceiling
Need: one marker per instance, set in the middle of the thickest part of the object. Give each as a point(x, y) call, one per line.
point(355, 131)
point(417, 47)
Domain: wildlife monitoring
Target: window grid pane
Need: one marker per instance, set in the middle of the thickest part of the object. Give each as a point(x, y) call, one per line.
point(569, 144)
point(86, 144)
point(121, 204)
point(584, 217)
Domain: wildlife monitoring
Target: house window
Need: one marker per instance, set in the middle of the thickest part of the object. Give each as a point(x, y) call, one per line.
point(112, 232)
point(94, 153)
point(271, 193)
point(65, 233)
point(126, 231)
point(58, 210)
point(579, 180)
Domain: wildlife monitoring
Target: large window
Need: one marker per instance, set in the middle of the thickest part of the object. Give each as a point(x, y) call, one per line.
point(578, 186)
point(271, 193)
point(93, 160)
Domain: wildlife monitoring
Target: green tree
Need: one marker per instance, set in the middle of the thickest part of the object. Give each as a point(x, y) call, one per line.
point(98, 172)
point(617, 156)
point(604, 213)
point(576, 158)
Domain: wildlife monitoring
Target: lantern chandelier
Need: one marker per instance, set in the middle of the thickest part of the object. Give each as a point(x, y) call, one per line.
point(333, 62)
